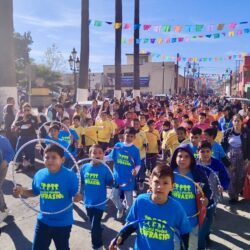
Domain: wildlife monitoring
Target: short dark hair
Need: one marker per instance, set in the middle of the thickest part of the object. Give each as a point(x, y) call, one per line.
point(77, 117)
point(181, 129)
point(130, 131)
point(65, 118)
point(150, 122)
point(204, 144)
point(94, 146)
point(189, 122)
point(54, 148)
point(167, 124)
point(211, 132)
point(215, 123)
point(196, 131)
point(54, 126)
point(161, 171)
point(202, 114)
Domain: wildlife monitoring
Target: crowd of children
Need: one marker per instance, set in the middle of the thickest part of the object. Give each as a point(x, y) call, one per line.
point(169, 143)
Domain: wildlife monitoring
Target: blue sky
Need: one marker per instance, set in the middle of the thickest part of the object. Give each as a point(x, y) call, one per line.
point(58, 22)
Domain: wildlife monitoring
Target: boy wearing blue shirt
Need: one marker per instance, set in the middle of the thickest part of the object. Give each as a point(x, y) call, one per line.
point(155, 207)
point(195, 138)
point(56, 186)
point(184, 165)
point(217, 150)
point(95, 177)
point(206, 159)
point(127, 162)
point(6, 155)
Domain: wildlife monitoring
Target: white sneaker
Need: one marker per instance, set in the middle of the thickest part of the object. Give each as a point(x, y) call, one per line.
point(3, 215)
point(135, 194)
point(120, 213)
point(8, 211)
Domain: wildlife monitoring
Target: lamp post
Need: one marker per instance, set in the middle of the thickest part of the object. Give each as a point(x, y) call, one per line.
point(163, 76)
point(74, 64)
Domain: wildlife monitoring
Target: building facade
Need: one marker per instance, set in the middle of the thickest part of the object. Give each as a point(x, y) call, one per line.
point(244, 77)
point(155, 77)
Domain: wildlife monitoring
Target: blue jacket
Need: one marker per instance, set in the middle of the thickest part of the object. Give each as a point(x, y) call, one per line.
point(218, 167)
point(6, 149)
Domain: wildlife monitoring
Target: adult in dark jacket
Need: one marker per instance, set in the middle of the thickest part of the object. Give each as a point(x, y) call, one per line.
point(26, 125)
point(236, 144)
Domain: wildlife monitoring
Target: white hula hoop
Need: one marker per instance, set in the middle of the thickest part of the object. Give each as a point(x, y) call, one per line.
point(218, 182)
point(51, 122)
point(75, 164)
point(105, 164)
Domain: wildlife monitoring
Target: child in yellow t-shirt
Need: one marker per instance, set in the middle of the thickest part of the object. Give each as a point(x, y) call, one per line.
point(165, 131)
point(154, 139)
point(104, 135)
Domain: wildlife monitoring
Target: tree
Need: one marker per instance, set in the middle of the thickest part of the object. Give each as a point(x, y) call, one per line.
point(137, 49)
point(82, 91)
point(118, 48)
point(7, 65)
point(54, 58)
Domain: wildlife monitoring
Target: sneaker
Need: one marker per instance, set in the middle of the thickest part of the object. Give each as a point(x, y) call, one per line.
point(208, 241)
point(19, 167)
point(233, 201)
point(141, 186)
point(135, 194)
point(8, 211)
point(120, 213)
point(3, 215)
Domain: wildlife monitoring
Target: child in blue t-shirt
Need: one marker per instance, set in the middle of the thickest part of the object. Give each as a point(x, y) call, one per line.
point(195, 138)
point(127, 162)
point(95, 177)
point(217, 150)
point(56, 186)
point(206, 159)
point(152, 209)
point(184, 191)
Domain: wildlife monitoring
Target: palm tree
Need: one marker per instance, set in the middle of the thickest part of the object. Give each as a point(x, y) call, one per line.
point(137, 49)
point(82, 90)
point(7, 62)
point(118, 48)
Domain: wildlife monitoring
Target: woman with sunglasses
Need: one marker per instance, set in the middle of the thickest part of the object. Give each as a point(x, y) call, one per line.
point(26, 125)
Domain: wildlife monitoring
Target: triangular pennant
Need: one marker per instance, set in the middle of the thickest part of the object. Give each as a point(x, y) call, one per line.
point(188, 28)
point(217, 35)
point(199, 27)
point(145, 40)
point(239, 32)
point(246, 30)
point(232, 26)
point(98, 23)
point(159, 40)
point(90, 22)
point(210, 28)
point(180, 39)
point(167, 40)
point(109, 23)
point(231, 33)
point(220, 26)
point(127, 25)
point(208, 36)
point(137, 26)
point(246, 22)
point(177, 28)
point(146, 26)
point(130, 40)
point(117, 25)
point(166, 28)
point(173, 40)
point(138, 41)
point(157, 28)
point(123, 40)
point(152, 40)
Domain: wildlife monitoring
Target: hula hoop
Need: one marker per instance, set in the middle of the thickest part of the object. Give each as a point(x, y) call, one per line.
point(105, 164)
point(15, 184)
point(51, 122)
point(212, 189)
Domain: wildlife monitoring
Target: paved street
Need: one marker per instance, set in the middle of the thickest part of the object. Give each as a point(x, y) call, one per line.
point(231, 229)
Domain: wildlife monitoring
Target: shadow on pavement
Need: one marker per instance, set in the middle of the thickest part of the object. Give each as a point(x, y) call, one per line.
point(16, 235)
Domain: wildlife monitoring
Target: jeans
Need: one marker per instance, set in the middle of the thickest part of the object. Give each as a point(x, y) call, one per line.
point(117, 200)
point(95, 216)
point(28, 151)
point(44, 234)
point(192, 241)
point(205, 230)
point(3, 172)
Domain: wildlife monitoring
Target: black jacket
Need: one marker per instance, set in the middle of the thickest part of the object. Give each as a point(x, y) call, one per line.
point(245, 141)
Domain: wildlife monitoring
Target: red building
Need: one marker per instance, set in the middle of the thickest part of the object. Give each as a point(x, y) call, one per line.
point(244, 77)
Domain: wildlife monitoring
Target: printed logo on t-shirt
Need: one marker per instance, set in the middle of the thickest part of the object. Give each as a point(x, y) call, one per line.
point(183, 192)
point(92, 179)
point(50, 191)
point(123, 160)
point(154, 228)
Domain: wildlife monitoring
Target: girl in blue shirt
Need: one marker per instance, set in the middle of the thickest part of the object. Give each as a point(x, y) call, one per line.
point(56, 186)
point(184, 165)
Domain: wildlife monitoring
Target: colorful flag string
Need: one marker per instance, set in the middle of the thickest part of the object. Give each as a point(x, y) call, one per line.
point(168, 40)
point(195, 59)
point(171, 27)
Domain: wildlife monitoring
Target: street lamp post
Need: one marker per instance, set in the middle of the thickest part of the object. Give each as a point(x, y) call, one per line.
point(163, 76)
point(74, 64)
